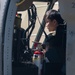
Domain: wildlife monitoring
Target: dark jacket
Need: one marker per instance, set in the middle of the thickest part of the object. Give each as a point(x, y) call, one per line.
point(56, 46)
point(56, 52)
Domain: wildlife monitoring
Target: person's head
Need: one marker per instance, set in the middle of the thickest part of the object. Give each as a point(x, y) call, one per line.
point(53, 19)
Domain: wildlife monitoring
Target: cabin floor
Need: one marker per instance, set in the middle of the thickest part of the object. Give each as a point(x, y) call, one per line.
point(24, 69)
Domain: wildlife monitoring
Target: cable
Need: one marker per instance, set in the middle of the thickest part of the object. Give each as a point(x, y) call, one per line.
point(19, 3)
point(42, 27)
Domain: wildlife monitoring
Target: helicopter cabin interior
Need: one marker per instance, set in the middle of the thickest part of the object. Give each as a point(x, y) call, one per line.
point(22, 52)
point(19, 22)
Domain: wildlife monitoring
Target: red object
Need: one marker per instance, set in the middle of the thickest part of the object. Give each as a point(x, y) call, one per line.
point(35, 45)
point(38, 52)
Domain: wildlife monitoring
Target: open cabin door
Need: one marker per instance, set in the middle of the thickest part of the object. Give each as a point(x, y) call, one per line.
point(8, 10)
point(7, 15)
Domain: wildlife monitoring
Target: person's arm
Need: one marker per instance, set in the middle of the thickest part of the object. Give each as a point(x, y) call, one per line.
point(44, 46)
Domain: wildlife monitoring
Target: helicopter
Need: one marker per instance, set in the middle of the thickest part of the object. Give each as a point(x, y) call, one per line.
point(8, 20)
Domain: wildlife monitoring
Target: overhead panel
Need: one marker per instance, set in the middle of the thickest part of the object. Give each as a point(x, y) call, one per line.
point(26, 3)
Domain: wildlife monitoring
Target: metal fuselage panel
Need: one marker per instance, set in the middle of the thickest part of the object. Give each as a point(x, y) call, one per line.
point(67, 9)
point(3, 4)
point(6, 51)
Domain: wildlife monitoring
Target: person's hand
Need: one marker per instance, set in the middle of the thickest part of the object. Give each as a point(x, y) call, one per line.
point(44, 51)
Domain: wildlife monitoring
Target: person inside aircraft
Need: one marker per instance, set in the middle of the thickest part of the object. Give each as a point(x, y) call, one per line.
point(55, 44)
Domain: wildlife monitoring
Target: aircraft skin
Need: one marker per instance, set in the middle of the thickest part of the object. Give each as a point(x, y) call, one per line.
point(67, 9)
point(8, 10)
point(6, 29)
